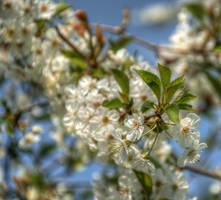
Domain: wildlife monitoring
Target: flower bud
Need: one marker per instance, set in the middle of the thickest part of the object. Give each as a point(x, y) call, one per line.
point(81, 15)
point(99, 33)
point(79, 28)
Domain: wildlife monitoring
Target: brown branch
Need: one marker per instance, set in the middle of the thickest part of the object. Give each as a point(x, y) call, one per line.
point(201, 172)
point(121, 31)
point(70, 44)
point(156, 48)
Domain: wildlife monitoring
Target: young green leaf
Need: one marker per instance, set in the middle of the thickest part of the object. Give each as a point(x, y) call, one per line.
point(185, 98)
point(74, 58)
point(41, 23)
point(99, 72)
point(145, 180)
point(152, 81)
point(185, 107)
point(125, 98)
point(122, 80)
point(146, 106)
point(61, 7)
point(173, 113)
point(112, 104)
point(165, 75)
point(173, 87)
point(196, 9)
point(120, 43)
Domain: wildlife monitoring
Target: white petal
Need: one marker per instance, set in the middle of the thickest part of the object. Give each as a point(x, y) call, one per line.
point(202, 146)
point(132, 135)
point(113, 116)
point(79, 125)
point(116, 135)
point(122, 155)
point(195, 120)
point(67, 120)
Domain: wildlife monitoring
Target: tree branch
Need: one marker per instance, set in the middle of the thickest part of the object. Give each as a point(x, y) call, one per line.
point(121, 31)
point(70, 44)
point(156, 48)
point(201, 172)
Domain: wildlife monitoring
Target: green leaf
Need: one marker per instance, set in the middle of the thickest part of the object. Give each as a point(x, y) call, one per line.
point(173, 87)
point(9, 129)
point(120, 43)
point(146, 106)
point(215, 82)
point(145, 180)
point(177, 81)
point(41, 23)
point(124, 98)
point(173, 113)
point(196, 9)
point(122, 80)
point(99, 73)
point(165, 75)
point(61, 7)
point(74, 58)
point(185, 107)
point(185, 98)
point(112, 104)
point(152, 81)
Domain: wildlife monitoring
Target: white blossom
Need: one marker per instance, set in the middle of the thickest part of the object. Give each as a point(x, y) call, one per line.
point(186, 132)
point(135, 125)
point(191, 153)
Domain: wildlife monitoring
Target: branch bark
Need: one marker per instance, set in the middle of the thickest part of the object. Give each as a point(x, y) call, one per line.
point(201, 172)
point(70, 44)
point(121, 31)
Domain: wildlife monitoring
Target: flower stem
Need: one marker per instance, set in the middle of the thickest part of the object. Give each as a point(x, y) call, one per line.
point(146, 155)
point(149, 131)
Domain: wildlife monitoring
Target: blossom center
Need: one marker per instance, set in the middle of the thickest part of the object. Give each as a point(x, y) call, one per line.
point(105, 119)
point(44, 8)
point(8, 5)
point(186, 130)
point(136, 124)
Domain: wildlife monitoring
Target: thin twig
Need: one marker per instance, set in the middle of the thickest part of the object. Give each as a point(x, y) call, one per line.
point(120, 31)
point(201, 172)
point(156, 48)
point(70, 44)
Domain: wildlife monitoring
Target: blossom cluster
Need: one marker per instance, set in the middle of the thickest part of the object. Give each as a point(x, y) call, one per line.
point(122, 109)
point(194, 50)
